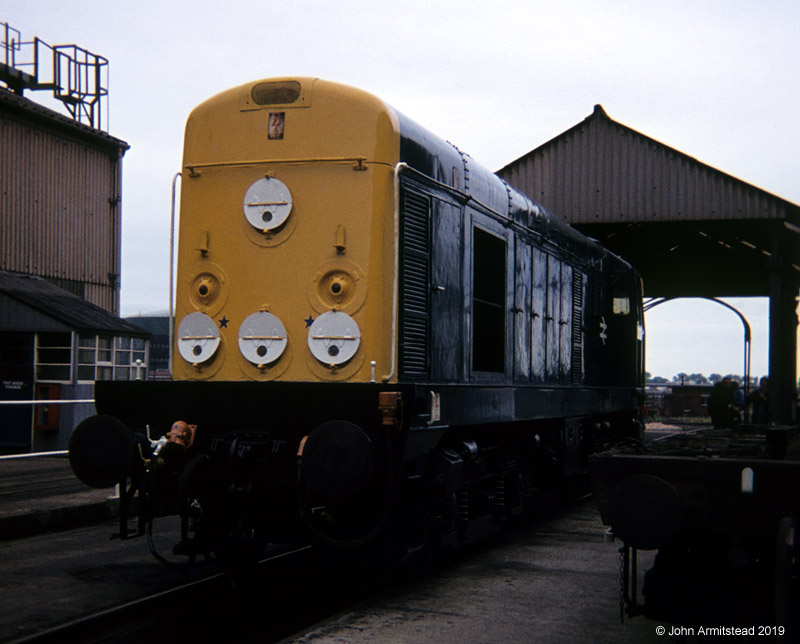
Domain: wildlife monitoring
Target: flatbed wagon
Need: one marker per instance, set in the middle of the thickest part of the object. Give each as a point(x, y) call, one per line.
point(720, 507)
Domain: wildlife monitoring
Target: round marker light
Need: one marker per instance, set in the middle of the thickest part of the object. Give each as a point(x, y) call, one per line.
point(334, 338)
point(262, 338)
point(198, 338)
point(267, 204)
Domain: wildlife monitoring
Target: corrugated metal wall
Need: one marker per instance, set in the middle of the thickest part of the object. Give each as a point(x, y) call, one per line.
point(602, 172)
point(59, 203)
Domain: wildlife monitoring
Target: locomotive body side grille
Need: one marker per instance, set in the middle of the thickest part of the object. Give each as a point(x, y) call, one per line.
point(577, 327)
point(415, 244)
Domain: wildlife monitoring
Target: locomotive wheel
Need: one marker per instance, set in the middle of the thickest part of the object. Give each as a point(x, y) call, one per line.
point(338, 459)
point(345, 496)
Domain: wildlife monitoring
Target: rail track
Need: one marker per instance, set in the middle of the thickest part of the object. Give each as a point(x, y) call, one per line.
point(216, 605)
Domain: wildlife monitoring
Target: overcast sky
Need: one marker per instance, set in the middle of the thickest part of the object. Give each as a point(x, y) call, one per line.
point(715, 79)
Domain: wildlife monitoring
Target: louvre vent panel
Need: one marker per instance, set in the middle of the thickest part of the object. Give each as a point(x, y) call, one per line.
point(415, 346)
point(415, 283)
point(415, 230)
point(577, 327)
point(416, 293)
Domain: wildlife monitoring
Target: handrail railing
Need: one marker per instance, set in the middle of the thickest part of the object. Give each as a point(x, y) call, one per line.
point(9, 457)
point(45, 401)
point(75, 75)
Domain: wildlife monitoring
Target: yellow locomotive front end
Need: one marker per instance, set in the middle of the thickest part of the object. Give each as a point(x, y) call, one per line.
point(286, 262)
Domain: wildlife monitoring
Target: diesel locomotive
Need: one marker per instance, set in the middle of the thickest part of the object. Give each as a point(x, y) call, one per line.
point(376, 340)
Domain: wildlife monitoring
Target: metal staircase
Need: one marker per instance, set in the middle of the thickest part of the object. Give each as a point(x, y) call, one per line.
point(77, 77)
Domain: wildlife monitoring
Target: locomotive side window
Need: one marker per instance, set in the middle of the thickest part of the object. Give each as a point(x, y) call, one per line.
point(488, 302)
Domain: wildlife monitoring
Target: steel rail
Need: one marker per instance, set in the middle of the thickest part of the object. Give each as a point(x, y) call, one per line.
point(108, 619)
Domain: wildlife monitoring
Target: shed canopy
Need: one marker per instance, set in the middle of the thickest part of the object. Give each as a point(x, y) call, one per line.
point(690, 229)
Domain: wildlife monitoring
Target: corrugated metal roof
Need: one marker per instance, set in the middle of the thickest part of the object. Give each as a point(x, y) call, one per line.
point(601, 171)
point(688, 228)
point(60, 305)
point(12, 102)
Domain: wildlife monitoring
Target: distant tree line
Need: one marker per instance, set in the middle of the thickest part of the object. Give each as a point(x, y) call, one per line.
point(697, 379)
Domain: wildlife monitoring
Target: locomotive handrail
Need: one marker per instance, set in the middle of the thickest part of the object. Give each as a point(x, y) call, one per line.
point(192, 167)
point(396, 278)
point(177, 176)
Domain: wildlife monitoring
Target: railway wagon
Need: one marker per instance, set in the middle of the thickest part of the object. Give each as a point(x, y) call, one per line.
point(375, 337)
point(719, 507)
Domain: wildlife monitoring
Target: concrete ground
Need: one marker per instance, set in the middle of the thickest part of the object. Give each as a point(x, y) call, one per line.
point(553, 581)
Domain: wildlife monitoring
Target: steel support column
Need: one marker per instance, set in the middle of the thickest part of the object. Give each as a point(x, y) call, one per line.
point(783, 293)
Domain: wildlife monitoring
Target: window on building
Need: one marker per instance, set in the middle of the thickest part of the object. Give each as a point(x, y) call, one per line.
point(87, 357)
point(129, 358)
point(122, 358)
point(103, 357)
point(54, 357)
point(139, 354)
